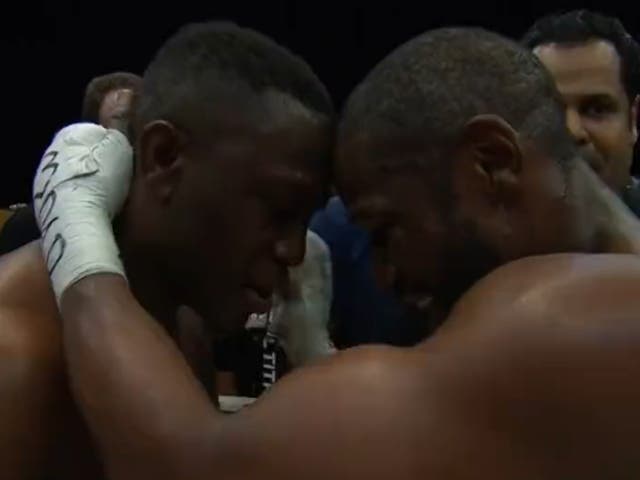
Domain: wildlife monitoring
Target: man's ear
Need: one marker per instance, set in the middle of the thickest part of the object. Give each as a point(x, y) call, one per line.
point(634, 118)
point(492, 154)
point(159, 160)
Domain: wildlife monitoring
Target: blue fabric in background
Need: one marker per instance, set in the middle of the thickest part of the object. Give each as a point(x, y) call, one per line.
point(361, 312)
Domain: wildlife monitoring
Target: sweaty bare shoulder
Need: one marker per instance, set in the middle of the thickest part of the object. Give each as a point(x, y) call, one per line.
point(551, 347)
point(32, 378)
point(579, 287)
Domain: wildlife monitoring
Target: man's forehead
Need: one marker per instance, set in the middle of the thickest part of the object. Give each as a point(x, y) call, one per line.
point(280, 109)
point(364, 153)
point(384, 140)
point(571, 64)
point(363, 183)
point(595, 50)
point(236, 105)
point(296, 156)
point(353, 163)
point(275, 123)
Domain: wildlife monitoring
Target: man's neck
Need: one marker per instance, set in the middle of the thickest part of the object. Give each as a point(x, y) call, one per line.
point(615, 227)
point(145, 282)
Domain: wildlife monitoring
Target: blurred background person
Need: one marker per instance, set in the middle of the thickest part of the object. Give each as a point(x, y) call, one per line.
point(595, 63)
point(107, 101)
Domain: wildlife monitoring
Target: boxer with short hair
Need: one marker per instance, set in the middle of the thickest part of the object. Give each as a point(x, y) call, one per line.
point(454, 153)
point(232, 134)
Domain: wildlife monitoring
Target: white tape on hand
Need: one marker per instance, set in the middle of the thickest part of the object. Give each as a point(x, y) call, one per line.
point(302, 319)
point(80, 185)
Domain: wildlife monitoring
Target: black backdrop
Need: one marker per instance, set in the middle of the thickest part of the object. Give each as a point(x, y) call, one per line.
point(50, 50)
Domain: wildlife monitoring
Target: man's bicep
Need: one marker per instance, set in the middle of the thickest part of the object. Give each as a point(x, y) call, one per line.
point(280, 433)
point(308, 424)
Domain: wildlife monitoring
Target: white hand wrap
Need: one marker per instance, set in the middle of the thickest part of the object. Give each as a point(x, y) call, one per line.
point(81, 183)
point(302, 321)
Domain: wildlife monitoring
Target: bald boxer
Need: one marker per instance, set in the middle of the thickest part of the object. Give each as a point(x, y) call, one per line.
point(454, 153)
point(232, 135)
point(596, 66)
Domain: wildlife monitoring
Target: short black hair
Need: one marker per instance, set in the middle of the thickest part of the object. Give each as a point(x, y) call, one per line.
point(189, 68)
point(579, 26)
point(431, 86)
point(100, 86)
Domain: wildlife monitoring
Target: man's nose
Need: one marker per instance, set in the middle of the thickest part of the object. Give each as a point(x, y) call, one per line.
point(290, 248)
point(576, 127)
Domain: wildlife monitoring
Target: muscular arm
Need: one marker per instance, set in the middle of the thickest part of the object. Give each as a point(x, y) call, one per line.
point(152, 420)
point(135, 388)
point(518, 391)
point(551, 349)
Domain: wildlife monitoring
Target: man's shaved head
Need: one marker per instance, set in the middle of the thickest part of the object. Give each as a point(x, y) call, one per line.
point(454, 153)
point(432, 85)
point(203, 63)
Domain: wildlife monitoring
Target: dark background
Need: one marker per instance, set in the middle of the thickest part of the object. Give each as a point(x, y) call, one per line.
point(50, 50)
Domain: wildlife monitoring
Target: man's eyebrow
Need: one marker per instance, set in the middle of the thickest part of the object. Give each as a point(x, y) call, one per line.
point(600, 96)
point(594, 96)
